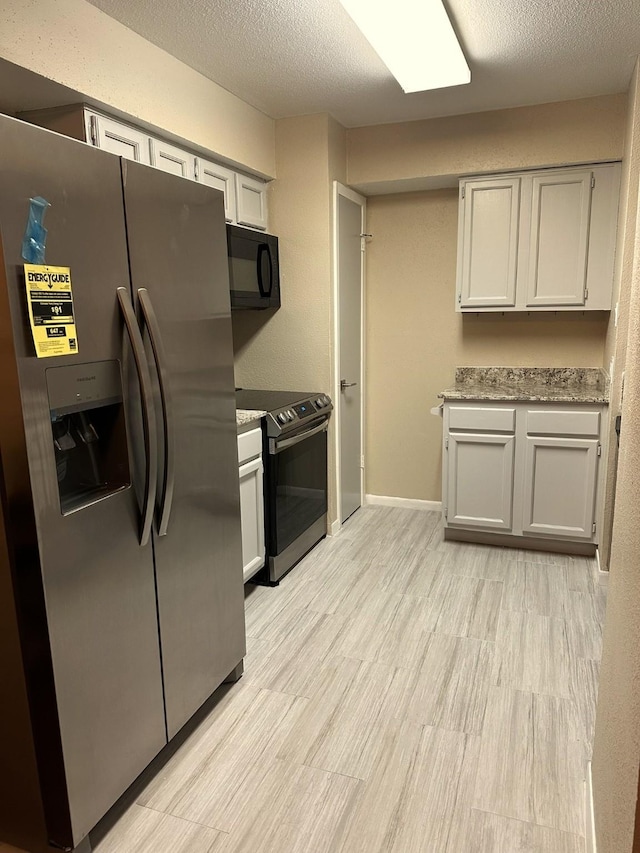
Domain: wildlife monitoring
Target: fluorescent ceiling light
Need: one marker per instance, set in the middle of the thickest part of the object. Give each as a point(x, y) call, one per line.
point(414, 39)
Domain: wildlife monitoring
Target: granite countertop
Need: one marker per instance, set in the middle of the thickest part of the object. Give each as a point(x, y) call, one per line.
point(247, 416)
point(553, 384)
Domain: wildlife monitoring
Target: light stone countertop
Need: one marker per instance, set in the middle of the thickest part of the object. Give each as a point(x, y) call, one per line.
point(248, 416)
point(542, 384)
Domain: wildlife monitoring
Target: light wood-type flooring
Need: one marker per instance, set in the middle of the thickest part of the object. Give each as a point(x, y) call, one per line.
point(401, 694)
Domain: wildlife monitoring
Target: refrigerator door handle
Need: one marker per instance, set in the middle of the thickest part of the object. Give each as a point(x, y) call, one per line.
point(148, 417)
point(150, 320)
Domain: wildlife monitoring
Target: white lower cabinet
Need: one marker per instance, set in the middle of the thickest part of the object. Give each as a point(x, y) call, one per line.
point(251, 474)
point(532, 470)
point(560, 479)
point(480, 478)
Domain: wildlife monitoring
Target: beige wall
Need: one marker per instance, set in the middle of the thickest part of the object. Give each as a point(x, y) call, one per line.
point(586, 130)
point(415, 339)
point(78, 46)
point(616, 344)
point(616, 755)
point(291, 348)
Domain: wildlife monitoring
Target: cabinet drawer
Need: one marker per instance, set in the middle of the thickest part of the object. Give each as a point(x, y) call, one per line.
point(249, 445)
point(482, 418)
point(560, 422)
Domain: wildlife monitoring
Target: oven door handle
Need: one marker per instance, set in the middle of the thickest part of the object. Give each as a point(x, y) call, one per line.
point(277, 445)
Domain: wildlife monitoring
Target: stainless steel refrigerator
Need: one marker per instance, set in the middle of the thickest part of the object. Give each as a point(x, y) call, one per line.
point(121, 595)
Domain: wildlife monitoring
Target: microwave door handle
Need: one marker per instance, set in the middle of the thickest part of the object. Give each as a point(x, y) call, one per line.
point(150, 320)
point(148, 417)
point(262, 248)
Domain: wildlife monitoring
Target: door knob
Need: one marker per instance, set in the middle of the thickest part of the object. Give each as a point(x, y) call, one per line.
point(344, 384)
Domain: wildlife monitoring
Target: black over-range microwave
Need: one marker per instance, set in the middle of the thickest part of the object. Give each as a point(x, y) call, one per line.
point(254, 270)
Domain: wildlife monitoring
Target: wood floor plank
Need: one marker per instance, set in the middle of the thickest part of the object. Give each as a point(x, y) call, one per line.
point(146, 831)
point(536, 588)
point(531, 760)
point(364, 634)
point(451, 689)
point(298, 810)
point(414, 576)
point(585, 675)
point(211, 783)
point(340, 730)
point(479, 562)
point(404, 643)
point(411, 793)
point(468, 607)
point(491, 833)
point(505, 767)
point(532, 654)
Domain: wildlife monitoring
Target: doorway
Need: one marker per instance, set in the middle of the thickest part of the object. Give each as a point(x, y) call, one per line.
point(349, 209)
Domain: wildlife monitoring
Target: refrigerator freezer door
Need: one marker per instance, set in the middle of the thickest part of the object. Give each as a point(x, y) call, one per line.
point(177, 252)
point(93, 662)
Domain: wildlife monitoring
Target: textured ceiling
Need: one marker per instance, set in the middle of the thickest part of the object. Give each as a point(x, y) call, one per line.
point(294, 57)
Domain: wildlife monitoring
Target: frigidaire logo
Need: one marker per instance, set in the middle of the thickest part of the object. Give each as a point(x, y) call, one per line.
point(85, 378)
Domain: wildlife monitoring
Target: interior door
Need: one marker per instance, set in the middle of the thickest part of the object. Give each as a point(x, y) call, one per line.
point(99, 587)
point(350, 213)
point(178, 255)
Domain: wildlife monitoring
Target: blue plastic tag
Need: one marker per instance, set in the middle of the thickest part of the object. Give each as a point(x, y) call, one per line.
point(35, 235)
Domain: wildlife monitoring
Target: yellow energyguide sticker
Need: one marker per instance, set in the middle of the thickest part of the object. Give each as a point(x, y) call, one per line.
point(50, 301)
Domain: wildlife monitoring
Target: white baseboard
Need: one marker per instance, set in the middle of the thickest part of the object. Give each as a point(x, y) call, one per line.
point(590, 827)
point(405, 503)
point(602, 575)
point(335, 528)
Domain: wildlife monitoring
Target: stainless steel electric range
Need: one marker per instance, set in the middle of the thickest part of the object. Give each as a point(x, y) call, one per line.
point(295, 460)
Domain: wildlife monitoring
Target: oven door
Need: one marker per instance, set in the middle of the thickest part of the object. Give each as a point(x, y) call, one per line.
point(296, 485)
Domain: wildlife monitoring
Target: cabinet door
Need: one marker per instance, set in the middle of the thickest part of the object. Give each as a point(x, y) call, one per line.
point(560, 486)
point(118, 138)
point(480, 480)
point(251, 200)
point(171, 159)
point(559, 238)
point(487, 264)
point(220, 178)
point(252, 514)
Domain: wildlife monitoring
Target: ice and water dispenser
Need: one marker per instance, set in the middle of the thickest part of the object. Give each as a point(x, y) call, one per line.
point(88, 432)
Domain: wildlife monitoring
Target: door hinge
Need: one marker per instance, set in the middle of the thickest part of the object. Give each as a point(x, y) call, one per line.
point(586, 294)
point(462, 194)
point(446, 444)
point(446, 512)
point(459, 298)
point(196, 171)
point(593, 527)
point(599, 449)
point(93, 130)
point(362, 462)
point(593, 181)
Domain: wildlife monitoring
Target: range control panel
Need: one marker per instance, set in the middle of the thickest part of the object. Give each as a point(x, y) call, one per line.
point(290, 417)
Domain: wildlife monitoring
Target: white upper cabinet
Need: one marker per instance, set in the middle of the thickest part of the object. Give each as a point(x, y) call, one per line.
point(117, 138)
point(171, 159)
point(556, 271)
point(489, 242)
point(245, 198)
point(538, 241)
point(220, 178)
point(251, 200)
